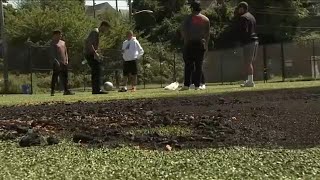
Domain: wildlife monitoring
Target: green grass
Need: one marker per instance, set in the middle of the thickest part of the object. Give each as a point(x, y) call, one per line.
point(164, 131)
point(71, 161)
point(146, 93)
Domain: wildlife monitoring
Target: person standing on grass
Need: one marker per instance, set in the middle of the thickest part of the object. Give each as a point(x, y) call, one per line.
point(195, 33)
point(93, 58)
point(249, 40)
point(132, 51)
point(59, 56)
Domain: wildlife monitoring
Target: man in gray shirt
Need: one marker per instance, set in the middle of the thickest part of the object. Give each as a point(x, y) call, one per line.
point(92, 56)
point(195, 33)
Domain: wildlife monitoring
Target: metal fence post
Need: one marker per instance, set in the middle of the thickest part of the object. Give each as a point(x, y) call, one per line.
point(174, 67)
point(265, 64)
point(161, 78)
point(30, 68)
point(144, 71)
point(221, 68)
point(283, 63)
point(314, 60)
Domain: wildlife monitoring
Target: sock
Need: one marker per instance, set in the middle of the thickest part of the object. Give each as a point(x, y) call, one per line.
point(250, 78)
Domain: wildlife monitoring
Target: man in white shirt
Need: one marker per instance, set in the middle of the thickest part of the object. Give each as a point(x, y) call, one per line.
point(132, 51)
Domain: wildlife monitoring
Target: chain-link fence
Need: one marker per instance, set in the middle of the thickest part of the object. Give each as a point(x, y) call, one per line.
point(30, 66)
point(275, 62)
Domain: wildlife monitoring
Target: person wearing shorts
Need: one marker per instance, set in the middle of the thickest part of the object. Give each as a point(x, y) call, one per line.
point(249, 41)
point(132, 51)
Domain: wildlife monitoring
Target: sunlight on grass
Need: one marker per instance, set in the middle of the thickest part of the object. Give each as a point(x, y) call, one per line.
point(147, 93)
point(164, 131)
point(70, 161)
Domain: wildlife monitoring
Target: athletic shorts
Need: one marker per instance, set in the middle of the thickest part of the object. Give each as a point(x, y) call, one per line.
point(130, 68)
point(250, 51)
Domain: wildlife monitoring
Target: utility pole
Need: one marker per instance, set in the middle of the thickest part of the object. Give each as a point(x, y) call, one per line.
point(4, 50)
point(130, 10)
point(117, 8)
point(94, 8)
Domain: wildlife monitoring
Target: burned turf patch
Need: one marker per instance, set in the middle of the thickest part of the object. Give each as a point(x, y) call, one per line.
point(278, 118)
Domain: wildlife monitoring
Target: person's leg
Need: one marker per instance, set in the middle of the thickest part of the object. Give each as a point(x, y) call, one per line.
point(95, 74)
point(134, 73)
point(250, 54)
point(64, 79)
point(54, 79)
point(126, 77)
point(202, 82)
point(188, 67)
point(198, 70)
point(199, 55)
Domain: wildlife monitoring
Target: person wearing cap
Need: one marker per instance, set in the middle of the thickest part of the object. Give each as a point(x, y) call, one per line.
point(195, 32)
point(249, 40)
point(92, 56)
point(59, 57)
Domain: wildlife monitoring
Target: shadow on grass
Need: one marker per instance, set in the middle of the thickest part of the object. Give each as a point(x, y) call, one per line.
point(273, 118)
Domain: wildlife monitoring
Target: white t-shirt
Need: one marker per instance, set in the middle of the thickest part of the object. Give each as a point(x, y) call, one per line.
point(132, 49)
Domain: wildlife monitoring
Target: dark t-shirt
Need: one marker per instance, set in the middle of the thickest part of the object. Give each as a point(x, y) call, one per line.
point(247, 28)
point(92, 40)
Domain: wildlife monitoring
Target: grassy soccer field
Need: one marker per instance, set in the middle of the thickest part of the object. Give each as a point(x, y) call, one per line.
point(224, 132)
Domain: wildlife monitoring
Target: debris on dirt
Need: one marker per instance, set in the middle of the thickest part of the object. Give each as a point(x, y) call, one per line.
point(201, 121)
point(149, 113)
point(168, 147)
point(52, 140)
point(82, 138)
point(31, 139)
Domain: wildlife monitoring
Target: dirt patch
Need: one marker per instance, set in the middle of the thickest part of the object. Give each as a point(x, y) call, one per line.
point(288, 118)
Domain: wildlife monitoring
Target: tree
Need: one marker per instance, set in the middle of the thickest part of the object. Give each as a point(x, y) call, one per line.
point(34, 23)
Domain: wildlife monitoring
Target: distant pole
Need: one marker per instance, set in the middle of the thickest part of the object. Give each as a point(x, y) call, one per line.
point(130, 10)
point(94, 8)
point(117, 8)
point(4, 50)
point(283, 63)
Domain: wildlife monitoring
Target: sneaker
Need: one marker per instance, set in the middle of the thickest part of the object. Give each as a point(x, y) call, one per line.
point(192, 86)
point(185, 88)
point(202, 87)
point(68, 93)
point(248, 84)
point(133, 89)
point(124, 89)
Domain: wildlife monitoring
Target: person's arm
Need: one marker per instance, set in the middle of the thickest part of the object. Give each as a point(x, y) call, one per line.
point(207, 34)
point(54, 54)
point(123, 46)
point(140, 50)
point(243, 28)
point(92, 41)
point(183, 29)
point(67, 57)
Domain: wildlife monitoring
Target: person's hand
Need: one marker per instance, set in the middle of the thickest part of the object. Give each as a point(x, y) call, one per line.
point(96, 55)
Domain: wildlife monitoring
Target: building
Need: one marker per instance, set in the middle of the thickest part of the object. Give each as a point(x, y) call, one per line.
point(99, 9)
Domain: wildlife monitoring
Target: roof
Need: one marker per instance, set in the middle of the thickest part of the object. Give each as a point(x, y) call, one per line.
point(99, 8)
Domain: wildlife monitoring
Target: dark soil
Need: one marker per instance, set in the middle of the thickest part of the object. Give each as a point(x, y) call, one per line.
point(287, 118)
